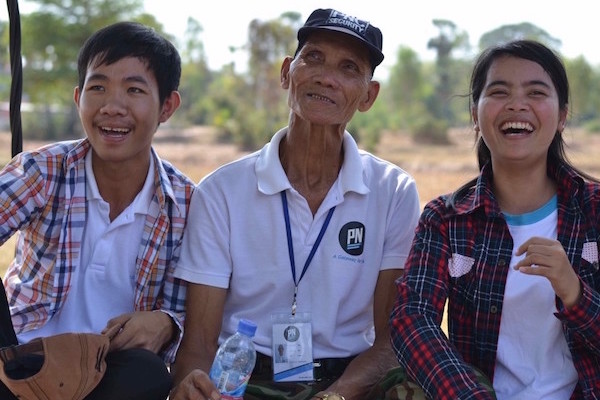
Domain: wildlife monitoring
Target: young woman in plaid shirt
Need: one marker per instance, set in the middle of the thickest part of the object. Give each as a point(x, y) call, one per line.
point(514, 251)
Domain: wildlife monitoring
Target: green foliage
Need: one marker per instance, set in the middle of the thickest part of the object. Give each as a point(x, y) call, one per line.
point(258, 108)
point(431, 130)
point(593, 126)
point(51, 38)
point(583, 104)
point(524, 30)
point(367, 127)
point(424, 98)
point(409, 83)
point(47, 122)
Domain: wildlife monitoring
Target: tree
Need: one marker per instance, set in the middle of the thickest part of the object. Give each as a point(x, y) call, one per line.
point(433, 127)
point(584, 103)
point(265, 109)
point(196, 78)
point(410, 88)
point(5, 69)
point(51, 38)
point(524, 30)
point(449, 40)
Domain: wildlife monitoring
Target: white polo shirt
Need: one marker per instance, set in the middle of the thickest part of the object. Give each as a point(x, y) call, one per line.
point(236, 238)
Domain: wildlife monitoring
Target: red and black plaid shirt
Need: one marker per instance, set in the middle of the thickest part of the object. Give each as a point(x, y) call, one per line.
point(473, 237)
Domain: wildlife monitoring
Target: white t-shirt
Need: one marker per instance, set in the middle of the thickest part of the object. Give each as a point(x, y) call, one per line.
point(236, 239)
point(533, 360)
point(103, 281)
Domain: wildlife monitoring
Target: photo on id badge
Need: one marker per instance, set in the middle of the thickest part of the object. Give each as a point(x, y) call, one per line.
point(292, 348)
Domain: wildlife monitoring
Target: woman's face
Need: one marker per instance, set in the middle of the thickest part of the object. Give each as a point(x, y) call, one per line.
point(518, 112)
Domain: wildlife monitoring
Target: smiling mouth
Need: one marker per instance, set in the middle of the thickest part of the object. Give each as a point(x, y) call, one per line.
point(116, 132)
point(517, 128)
point(321, 98)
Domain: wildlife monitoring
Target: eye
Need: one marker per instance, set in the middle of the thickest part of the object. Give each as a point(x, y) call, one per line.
point(135, 90)
point(497, 92)
point(538, 93)
point(351, 66)
point(313, 56)
point(95, 88)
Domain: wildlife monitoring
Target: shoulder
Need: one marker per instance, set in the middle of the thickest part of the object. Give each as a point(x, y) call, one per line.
point(439, 209)
point(377, 168)
point(56, 150)
point(51, 158)
point(175, 176)
point(238, 170)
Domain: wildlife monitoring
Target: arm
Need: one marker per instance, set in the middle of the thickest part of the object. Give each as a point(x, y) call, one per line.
point(371, 365)
point(157, 330)
point(422, 348)
point(23, 194)
point(200, 341)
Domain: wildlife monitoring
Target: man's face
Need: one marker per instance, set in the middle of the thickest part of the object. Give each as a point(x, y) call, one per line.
point(120, 110)
point(329, 79)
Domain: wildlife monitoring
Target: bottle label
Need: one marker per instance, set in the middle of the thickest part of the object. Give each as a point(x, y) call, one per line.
point(230, 383)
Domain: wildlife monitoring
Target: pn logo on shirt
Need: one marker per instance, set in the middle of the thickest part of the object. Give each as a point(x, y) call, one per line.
point(352, 238)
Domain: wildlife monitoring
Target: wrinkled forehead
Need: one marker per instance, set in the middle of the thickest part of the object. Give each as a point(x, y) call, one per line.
point(339, 40)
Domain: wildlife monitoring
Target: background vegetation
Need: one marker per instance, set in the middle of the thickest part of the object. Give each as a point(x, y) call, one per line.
point(421, 99)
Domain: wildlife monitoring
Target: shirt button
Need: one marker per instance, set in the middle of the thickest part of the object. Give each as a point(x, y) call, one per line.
point(502, 263)
point(493, 309)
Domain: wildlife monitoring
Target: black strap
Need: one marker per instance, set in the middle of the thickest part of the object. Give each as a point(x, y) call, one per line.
point(16, 67)
point(7, 332)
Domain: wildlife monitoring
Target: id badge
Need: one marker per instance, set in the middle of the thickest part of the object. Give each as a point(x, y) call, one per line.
point(292, 347)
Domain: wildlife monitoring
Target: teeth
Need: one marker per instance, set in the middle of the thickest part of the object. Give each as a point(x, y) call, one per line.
point(517, 125)
point(121, 130)
point(115, 130)
point(316, 96)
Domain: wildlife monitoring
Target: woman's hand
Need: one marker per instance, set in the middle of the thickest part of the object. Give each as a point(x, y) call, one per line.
point(547, 257)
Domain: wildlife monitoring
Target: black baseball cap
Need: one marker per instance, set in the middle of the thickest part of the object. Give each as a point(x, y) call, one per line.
point(333, 20)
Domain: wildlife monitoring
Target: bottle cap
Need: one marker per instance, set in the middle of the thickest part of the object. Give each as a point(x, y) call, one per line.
point(247, 327)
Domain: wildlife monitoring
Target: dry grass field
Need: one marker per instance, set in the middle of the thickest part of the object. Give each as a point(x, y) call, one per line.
point(437, 169)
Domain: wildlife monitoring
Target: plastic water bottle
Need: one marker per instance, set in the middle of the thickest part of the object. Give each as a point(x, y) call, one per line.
point(234, 362)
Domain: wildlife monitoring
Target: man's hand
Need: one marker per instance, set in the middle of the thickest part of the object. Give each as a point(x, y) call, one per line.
point(149, 330)
point(195, 386)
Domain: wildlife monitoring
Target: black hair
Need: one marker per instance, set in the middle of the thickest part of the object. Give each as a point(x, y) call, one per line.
point(131, 39)
point(551, 63)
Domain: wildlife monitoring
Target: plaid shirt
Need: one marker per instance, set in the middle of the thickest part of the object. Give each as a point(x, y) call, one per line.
point(462, 255)
point(42, 196)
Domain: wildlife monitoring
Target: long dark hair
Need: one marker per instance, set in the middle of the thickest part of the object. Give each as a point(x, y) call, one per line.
point(533, 51)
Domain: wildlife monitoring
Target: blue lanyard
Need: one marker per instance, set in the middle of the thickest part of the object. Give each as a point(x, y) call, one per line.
point(288, 229)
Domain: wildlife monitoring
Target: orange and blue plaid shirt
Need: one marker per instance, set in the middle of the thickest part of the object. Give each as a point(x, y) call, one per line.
point(473, 237)
point(43, 199)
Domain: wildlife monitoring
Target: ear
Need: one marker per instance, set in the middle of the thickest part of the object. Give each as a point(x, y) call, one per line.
point(562, 119)
point(76, 96)
point(172, 103)
point(371, 96)
point(284, 74)
point(474, 119)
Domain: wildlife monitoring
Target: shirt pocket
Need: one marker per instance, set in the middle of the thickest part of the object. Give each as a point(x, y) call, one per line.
point(590, 254)
point(459, 265)
point(588, 267)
